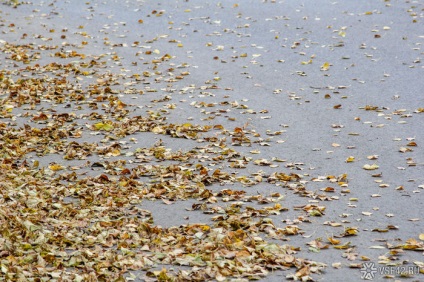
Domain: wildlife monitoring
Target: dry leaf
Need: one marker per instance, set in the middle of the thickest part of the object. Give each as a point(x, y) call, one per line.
point(370, 167)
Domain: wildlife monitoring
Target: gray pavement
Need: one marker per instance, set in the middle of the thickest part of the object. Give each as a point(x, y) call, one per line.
point(326, 87)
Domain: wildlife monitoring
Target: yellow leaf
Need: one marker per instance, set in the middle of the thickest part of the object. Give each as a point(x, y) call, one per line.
point(327, 189)
point(370, 167)
point(350, 159)
point(120, 105)
point(107, 127)
point(372, 157)
point(115, 152)
point(205, 227)
point(8, 108)
point(103, 126)
point(163, 276)
point(158, 129)
point(409, 247)
point(325, 66)
point(421, 236)
point(343, 247)
point(56, 167)
point(306, 62)
point(349, 231)
point(333, 241)
point(98, 125)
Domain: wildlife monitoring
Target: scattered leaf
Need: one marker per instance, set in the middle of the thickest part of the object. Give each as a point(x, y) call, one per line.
point(370, 167)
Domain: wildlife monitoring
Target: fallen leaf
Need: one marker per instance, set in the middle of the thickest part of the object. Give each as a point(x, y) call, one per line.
point(370, 167)
point(56, 167)
point(325, 66)
point(350, 159)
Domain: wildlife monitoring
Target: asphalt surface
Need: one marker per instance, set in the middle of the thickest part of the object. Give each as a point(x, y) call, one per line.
point(338, 79)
